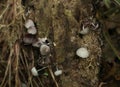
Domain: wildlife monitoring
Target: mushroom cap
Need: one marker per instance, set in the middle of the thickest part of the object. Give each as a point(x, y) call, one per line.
point(54, 44)
point(29, 23)
point(29, 39)
point(58, 72)
point(34, 71)
point(44, 49)
point(84, 31)
point(36, 44)
point(41, 41)
point(32, 30)
point(45, 40)
point(82, 52)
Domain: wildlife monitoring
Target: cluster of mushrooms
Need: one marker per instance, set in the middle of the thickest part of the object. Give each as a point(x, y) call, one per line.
point(87, 25)
point(42, 43)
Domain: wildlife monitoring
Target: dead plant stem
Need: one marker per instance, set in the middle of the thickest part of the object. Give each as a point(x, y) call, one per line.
point(1, 16)
point(7, 68)
point(107, 37)
point(53, 77)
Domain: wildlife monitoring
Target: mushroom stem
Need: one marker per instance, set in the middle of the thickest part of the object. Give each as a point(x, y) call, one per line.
point(42, 68)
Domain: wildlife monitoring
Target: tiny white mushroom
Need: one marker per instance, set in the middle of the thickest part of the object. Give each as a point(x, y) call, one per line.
point(54, 44)
point(43, 40)
point(36, 44)
point(44, 49)
point(58, 72)
point(84, 30)
point(95, 25)
point(34, 71)
point(29, 23)
point(32, 30)
point(82, 52)
point(28, 39)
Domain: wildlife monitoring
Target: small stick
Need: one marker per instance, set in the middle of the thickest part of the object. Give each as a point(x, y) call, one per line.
point(7, 68)
point(101, 84)
point(43, 68)
point(4, 12)
point(53, 76)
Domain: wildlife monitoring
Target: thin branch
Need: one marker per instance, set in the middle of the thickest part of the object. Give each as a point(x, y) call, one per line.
point(6, 72)
point(53, 76)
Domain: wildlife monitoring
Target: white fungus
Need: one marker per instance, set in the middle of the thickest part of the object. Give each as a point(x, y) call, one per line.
point(32, 30)
point(44, 49)
point(29, 23)
point(34, 71)
point(28, 39)
point(82, 52)
point(84, 30)
point(36, 44)
point(54, 44)
point(43, 40)
point(58, 72)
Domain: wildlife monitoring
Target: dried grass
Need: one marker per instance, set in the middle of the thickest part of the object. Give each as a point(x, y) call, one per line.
point(16, 60)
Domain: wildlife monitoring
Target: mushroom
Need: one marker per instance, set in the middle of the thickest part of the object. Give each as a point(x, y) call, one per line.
point(82, 52)
point(58, 72)
point(32, 30)
point(29, 23)
point(29, 39)
point(45, 41)
point(85, 30)
point(95, 26)
point(44, 49)
point(41, 41)
point(54, 44)
point(37, 43)
point(35, 72)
